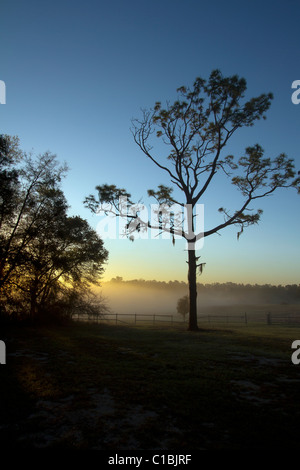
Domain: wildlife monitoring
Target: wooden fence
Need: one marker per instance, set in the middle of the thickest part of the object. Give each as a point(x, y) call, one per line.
point(267, 318)
point(127, 318)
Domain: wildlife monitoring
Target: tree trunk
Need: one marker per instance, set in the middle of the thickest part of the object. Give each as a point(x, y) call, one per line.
point(192, 278)
point(32, 305)
point(33, 299)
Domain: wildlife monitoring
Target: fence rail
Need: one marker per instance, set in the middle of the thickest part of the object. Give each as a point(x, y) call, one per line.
point(127, 318)
point(268, 318)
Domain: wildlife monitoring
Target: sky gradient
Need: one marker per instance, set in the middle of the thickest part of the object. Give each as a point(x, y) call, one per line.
point(76, 73)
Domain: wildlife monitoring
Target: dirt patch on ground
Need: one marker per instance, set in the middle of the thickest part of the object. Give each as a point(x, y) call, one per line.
point(62, 422)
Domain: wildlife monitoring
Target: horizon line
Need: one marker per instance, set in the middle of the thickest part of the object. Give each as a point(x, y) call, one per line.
point(121, 279)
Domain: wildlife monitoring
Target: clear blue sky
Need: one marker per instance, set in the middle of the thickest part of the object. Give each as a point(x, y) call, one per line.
point(76, 73)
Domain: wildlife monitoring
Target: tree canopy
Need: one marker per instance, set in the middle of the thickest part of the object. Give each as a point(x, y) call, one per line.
point(46, 256)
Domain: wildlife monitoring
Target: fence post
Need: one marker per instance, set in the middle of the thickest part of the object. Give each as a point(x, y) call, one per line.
point(246, 319)
point(135, 318)
point(153, 319)
point(116, 318)
point(269, 322)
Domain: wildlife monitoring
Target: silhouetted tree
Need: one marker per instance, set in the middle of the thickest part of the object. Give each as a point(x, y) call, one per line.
point(45, 255)
point(183, 306)
point(196, 129)
point(24, 213)
point(9, 176)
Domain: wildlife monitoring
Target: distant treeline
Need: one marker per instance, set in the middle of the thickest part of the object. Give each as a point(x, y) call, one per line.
point(229, 291)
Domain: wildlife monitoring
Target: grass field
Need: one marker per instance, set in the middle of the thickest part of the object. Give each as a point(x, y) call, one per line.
point(143, 388)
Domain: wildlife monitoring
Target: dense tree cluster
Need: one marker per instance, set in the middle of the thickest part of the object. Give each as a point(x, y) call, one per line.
point(48, 260)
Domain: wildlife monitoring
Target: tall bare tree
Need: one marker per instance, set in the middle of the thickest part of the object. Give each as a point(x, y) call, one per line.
point(195, 130)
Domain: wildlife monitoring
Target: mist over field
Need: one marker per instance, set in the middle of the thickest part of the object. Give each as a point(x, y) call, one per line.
point(155, 297)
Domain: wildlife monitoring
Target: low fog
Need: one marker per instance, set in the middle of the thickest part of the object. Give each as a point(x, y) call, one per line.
point(153, 297)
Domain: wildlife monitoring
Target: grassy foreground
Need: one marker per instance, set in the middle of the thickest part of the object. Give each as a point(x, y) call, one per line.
point(140, 388)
